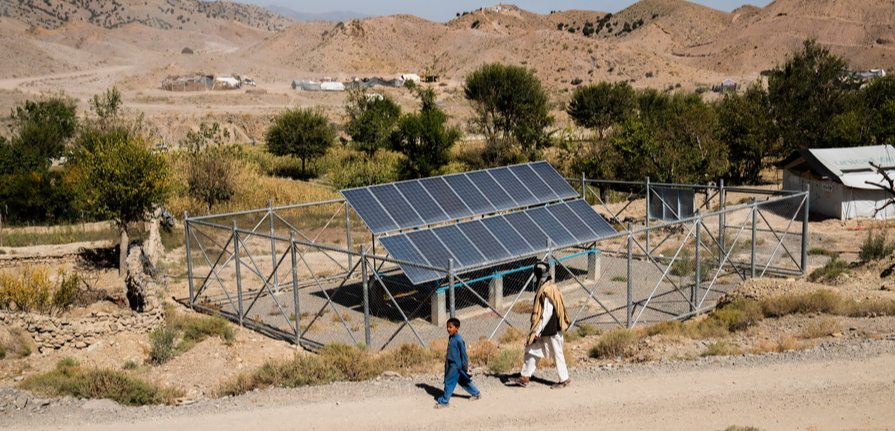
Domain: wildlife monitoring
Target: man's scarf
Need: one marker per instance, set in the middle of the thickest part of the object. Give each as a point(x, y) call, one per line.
point(548, 290)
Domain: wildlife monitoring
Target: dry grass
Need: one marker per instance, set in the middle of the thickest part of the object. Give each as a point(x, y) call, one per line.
point(69, 379)
point(617, 343)
point(783, 344)
point(822, 327)
point(511, 335)
point(482, 353)
point(722, 348)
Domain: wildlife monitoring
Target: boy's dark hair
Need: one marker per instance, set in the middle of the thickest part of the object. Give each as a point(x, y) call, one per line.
point(454, 321)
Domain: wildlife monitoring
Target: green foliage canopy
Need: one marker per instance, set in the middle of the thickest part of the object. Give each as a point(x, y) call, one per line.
point(424, 138)
point(371, 119)
point(302, 133)
point(599, 106)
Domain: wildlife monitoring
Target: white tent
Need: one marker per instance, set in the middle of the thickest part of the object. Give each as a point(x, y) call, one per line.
point(842, 182)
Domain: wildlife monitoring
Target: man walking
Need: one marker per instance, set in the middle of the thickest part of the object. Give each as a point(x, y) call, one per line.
point(545, 338)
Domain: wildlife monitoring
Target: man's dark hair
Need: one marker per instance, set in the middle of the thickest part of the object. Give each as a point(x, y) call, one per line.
point(454, 321)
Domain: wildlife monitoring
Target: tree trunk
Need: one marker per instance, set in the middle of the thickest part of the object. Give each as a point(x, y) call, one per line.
point(122, 255)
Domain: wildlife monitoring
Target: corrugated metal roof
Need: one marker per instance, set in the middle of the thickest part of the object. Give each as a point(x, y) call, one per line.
point(849, 166)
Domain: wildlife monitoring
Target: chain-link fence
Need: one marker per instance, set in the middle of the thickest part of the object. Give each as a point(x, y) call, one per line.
point(313, 275)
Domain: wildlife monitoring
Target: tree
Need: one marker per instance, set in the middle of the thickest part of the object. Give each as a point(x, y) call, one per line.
point(120, 178)
point(302, 133)
point(509, 103)
point(212, 168)
point(371, 119)
point(878, 103)
point(599, 106)
point(424, 138)
point(746, 127)
point(41, 131)
point(806, 97)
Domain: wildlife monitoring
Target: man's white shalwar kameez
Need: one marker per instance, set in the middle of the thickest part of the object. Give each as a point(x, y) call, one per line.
point(546, 347)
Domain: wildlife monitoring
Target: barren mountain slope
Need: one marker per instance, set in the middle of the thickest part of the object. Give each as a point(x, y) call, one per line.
point(164, 14)
point(860, 31)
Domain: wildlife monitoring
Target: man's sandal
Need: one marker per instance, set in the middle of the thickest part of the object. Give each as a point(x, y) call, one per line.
point(561, 385)
point(518, 381)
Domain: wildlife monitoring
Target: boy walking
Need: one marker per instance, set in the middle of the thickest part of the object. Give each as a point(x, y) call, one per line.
point(456, 366)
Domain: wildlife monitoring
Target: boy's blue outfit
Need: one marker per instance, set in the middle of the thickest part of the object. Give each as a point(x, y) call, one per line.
point(456, 370)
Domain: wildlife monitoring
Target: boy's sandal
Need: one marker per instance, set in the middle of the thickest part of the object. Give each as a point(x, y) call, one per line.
point(441, 406)
point(561, 385)
point(475, 397)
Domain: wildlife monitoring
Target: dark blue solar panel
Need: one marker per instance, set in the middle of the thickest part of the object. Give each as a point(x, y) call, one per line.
point(474, 199)
point(593, 220)
point(556, 182)
point(446, 198)
point(532, 234)
point(542, 192)
point(572, 223)
point(513, 186)
point(425, 206)
point(370, 211)
point(498, 197)
point(508, 237)
point(467, 253)
point(486, 242)
point(399, 247)
point(557, 233)
point(395, 204)
point(432, 249)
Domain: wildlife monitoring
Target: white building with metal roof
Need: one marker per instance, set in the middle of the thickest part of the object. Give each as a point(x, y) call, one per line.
point(843, 183)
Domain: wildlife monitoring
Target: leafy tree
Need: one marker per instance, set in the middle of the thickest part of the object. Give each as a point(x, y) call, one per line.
point(746, 127)
point(599, 106)
point(302, 133)
point(424, 138)
point(371, 119)
point(107, 106)
point(806, 97)
point(509, 103)
point(212, 168)
point(877, 99)
point(42, 129)
point(119, 177)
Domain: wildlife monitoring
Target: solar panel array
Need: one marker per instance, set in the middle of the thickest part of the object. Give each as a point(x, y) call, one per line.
point(479, 243)
point(410, 204)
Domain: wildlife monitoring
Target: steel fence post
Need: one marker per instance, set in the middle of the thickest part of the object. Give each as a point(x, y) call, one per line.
point(722, 219)
point(583, 187)
point(366, 288)
point(648, 197)
point(694, 292)
point(295, 303)
point(630, 301)
point(238, 271)
point(754, 234)
point(451, 289)
point(348, 232)
point(273, 246)
point(805, 231)
point(550, 260)
point(189, 258)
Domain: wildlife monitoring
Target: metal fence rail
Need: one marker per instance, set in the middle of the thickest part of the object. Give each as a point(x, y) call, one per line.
point(310, 274)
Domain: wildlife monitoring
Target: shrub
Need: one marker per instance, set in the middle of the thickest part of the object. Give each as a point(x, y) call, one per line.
point(818, 251)
point(130, 365)
point(67, 361)
point(97, 383)
point(876, 247)
point(830, 271)
point(2, 352)
point(32, 290)
point(721, 348)
point(738, 315)
point(614, 344)
point(511, 335)
point(820, 328)
point(821, 301)
point(352, 363)
point(186, 51)
point(411, 357)
point(506, 361)
point(161, 342)
point(483, 352)
point(198, 329)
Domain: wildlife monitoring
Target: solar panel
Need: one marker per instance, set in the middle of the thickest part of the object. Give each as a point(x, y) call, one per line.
point(530, 232)
point(411, 204)
point(394, 203)
point(369, 210)
point(486, 242)
point(559, 236)
point(513, 186)
point(594, 221)
point(431, 248)
point(425, 206)
point(533, 181)
point(478, 243)
point(474, 199)
point(460, 246)
point(493, 191)
point(572, 223)
point(556, 182)
point(446, 198)
point(399, 247)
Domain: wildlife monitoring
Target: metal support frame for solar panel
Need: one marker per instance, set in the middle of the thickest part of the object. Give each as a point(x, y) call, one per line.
point(429, 201)
point(494, 240)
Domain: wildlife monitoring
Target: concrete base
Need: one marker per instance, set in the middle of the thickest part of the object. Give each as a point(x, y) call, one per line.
point(593, 265)
point(495, 292)
point(439, 316)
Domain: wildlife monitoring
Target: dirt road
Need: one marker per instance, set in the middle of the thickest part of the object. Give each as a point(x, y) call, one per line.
point(831, 387)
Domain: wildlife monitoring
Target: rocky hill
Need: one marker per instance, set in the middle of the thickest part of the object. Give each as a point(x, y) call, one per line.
point(161, 14)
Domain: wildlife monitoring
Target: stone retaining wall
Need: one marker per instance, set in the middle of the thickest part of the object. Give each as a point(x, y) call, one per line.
point(143, 316)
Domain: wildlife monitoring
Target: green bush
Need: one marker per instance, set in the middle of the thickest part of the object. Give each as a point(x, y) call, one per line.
point(95, 383)
point(738, 315)
point(2, 352)
point(876, 247)
point(830, 271)
point(161, 342)
point(198, 329)
point(721, 348)
point(614, 344)
point(353, 364)
point(821, 301)
point(67, 361)
point(506, 361)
